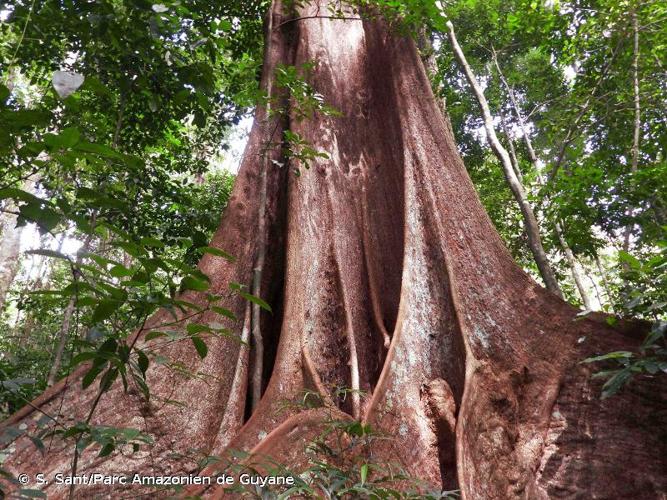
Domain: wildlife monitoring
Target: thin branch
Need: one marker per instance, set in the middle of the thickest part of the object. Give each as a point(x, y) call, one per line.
point(569, 136)
point(25, 27)
point(119, 121)
point(558, 226)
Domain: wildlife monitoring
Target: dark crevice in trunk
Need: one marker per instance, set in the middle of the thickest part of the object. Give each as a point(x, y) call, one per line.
point(327, 342)
point(452, 343)
point(273, 281)
point(383, 194)
point(441, 409)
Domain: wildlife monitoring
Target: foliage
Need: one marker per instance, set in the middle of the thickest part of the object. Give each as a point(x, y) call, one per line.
point(121, 163)
point(569, 66)
point(646, 279)
point(650, 359)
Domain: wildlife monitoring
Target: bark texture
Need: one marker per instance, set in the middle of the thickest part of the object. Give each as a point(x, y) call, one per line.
point(386, 275)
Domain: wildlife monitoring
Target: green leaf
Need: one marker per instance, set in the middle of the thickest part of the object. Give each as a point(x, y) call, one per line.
point(131, 248)
point(143, 387)
point(188, 305)
point(106, 450)
point(76, 288)
point(91, 375)
point(614, 384)
point(69, 137)
point(109, 345)
point(610, 355)
point(219, 253)
point(154, 335)
point(39, 444)
point(224, 312)
point(108, 379)
point(200, 346)
point(140, 277)
point(192, 283)
point(363, 472)
point(105, 309)
point(611, 320)
point(30, 493)
point(152, 242)
point(142, 361)
point(120, 271)
point(44, 217)
point(256, 300)
point(194, 328)
point(81, 357)
point(99, 149)
point(632, 261)
point(19, 194)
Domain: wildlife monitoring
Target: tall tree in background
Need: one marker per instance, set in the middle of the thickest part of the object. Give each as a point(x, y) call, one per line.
point(562, 75)
point(380, 254)
point(10, 243)
point(10, 247)
point(510, 170)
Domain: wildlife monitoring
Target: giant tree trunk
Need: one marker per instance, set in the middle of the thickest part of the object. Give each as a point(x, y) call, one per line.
point(385, 275)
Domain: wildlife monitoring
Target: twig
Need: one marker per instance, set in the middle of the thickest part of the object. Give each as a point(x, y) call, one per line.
point(569, 136)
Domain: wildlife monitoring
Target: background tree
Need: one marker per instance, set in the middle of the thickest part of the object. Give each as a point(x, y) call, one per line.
point(566, 70)
point(122, 160)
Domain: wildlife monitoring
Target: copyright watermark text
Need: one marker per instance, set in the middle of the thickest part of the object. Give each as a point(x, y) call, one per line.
point(96, 478)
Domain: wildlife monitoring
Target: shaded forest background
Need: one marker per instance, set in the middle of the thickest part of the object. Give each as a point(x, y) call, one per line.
point(118, 120)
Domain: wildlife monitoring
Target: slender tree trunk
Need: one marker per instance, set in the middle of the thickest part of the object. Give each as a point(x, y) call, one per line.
point(43, 276)
point(512, 150)
point(530, 221)
point(634, 154)
point(10, 244)
point(63, 335)
point(572, 263)
point(480, 383)
point(591, 278)
point(603, 276)
point(532, 156)
point(569, 256)
point(427, 56)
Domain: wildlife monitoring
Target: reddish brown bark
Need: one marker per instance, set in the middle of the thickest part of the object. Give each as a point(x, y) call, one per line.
point(385, 274)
